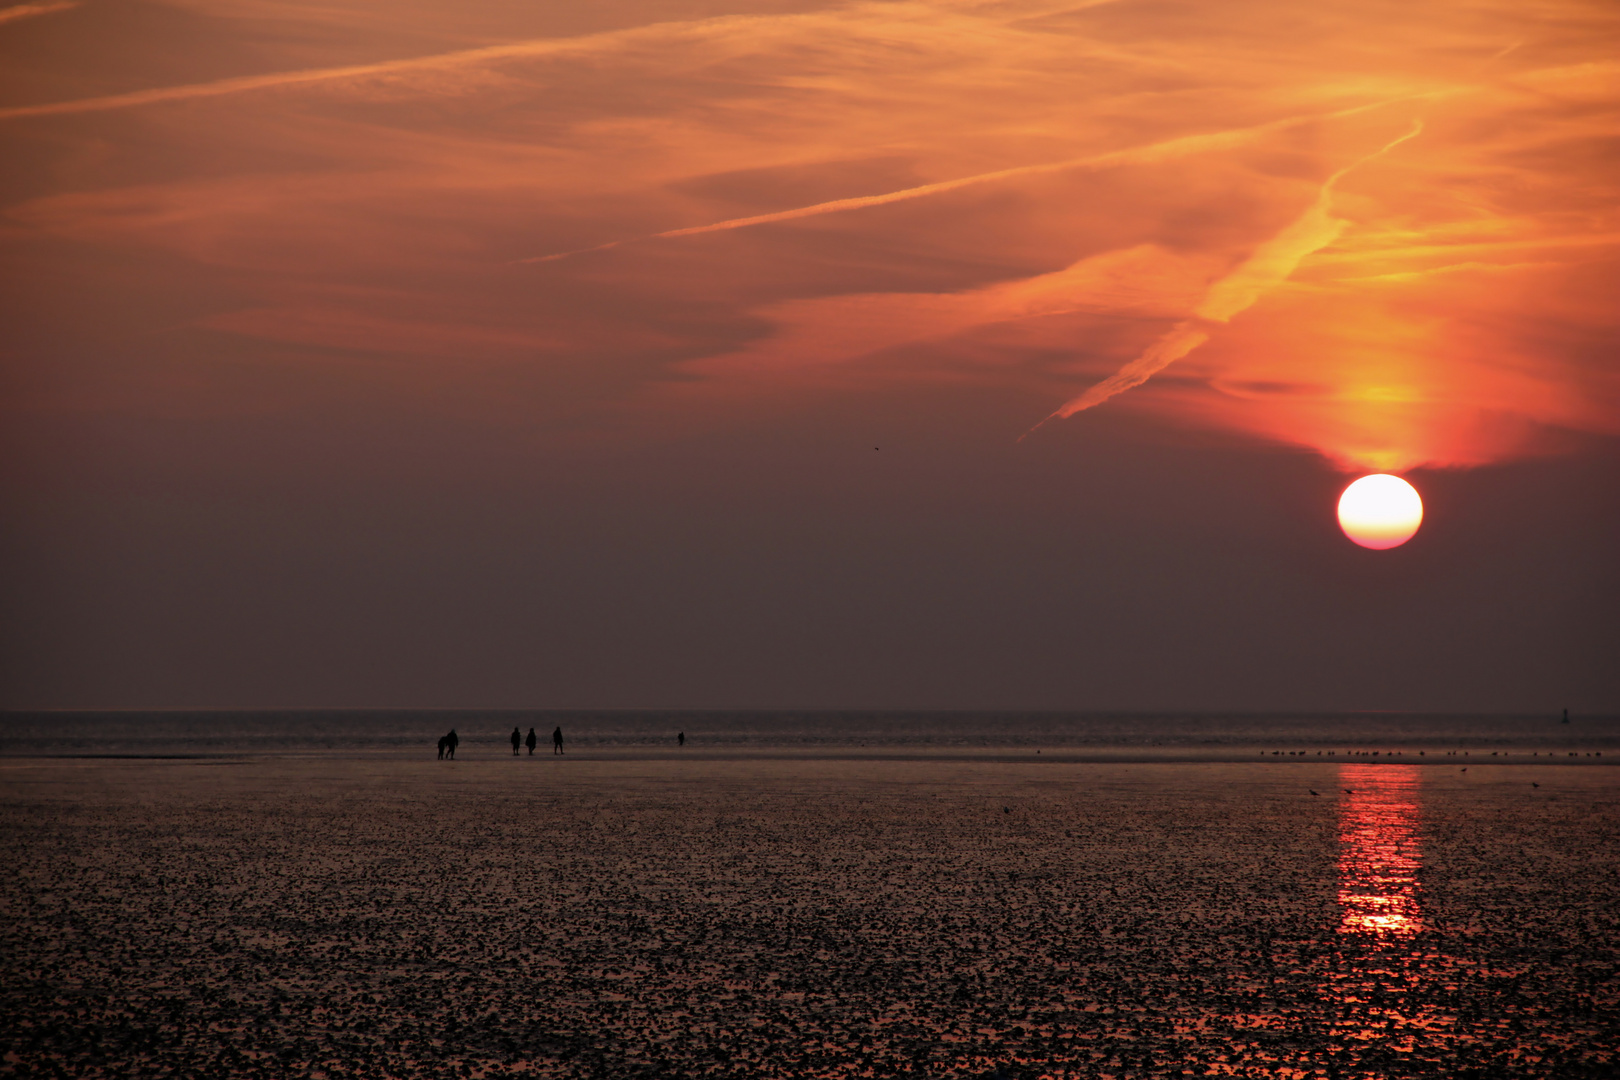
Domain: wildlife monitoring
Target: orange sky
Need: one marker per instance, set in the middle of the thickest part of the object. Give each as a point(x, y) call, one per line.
point(1030, 194)
point(1382, 233)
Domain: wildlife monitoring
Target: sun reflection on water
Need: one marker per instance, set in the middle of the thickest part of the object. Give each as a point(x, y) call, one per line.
point(1379, 851)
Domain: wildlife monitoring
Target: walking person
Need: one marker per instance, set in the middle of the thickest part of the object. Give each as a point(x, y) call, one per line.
point(556, 740)
point(451, 741)
point(680, 739)
point(517, 741)
point(532, 742)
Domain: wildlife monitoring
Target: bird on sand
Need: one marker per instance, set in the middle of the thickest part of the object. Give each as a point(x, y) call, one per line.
point(1534, 784)
point(1312, 792)
point(1347, 791)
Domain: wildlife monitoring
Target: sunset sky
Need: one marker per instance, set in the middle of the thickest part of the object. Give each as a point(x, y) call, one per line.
point(716, 353)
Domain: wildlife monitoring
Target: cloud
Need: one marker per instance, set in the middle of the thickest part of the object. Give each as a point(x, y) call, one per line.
point(1026, 198)
point(274, 80)
point(668, 35)
point(1146, 282)
point(1168, 150)
point(1269, 266)
point(29, 11)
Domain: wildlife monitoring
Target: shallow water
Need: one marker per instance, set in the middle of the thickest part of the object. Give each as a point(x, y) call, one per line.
point(805, 916)
point(1167, 736)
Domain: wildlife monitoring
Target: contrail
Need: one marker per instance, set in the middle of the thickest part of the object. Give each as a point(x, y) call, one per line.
point(244, 83)
point(832, 207)
point(27, 11)
point(241, 84)
point(1270, 265)
point(1183, 146)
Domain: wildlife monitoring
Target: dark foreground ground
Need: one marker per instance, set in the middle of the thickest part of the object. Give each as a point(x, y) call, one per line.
point(794, 918)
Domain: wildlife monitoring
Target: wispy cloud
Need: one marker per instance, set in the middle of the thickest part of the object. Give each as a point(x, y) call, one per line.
point(275, 80)
point(29, 11)
point(1143, 282)
point(663, 32)
point(670, 34)
point(1012, 195)
point(1154, 153)
point(1270, 265)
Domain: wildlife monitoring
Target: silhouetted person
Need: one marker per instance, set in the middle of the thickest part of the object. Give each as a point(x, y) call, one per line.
point(680, 740)
point(451, 742)
point(1566, 716)
point(532, 742)
point(517, 741)
point(444, 741)
point(556, 740)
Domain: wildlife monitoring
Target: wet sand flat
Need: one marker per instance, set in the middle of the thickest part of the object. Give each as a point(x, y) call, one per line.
point(801, 916)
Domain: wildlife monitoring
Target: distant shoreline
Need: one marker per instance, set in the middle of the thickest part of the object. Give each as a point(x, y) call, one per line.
point(999, 756)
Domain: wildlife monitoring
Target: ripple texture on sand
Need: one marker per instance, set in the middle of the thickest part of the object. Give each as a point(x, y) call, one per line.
point(733, 919)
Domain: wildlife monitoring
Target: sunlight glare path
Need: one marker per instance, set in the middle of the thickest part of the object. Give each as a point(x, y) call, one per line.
point(1380, 851)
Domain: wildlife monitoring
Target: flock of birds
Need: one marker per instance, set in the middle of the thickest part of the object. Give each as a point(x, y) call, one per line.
point(1422, 754)
point(756, 924)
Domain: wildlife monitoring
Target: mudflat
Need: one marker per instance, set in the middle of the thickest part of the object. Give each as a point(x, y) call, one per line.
point(683, 915)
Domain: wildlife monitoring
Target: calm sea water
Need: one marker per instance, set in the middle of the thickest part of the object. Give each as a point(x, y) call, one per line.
point(1150, 736)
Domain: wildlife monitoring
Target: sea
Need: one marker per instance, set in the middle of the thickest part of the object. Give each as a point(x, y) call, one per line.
point(1166, 736)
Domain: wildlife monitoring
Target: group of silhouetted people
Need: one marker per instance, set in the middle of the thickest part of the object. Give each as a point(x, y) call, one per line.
point(518, 740)
point(447, 743)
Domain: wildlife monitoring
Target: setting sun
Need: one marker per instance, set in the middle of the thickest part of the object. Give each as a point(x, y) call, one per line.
point(1380, 511)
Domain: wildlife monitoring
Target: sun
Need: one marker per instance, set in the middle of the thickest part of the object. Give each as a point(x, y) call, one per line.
point(1380, 511)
